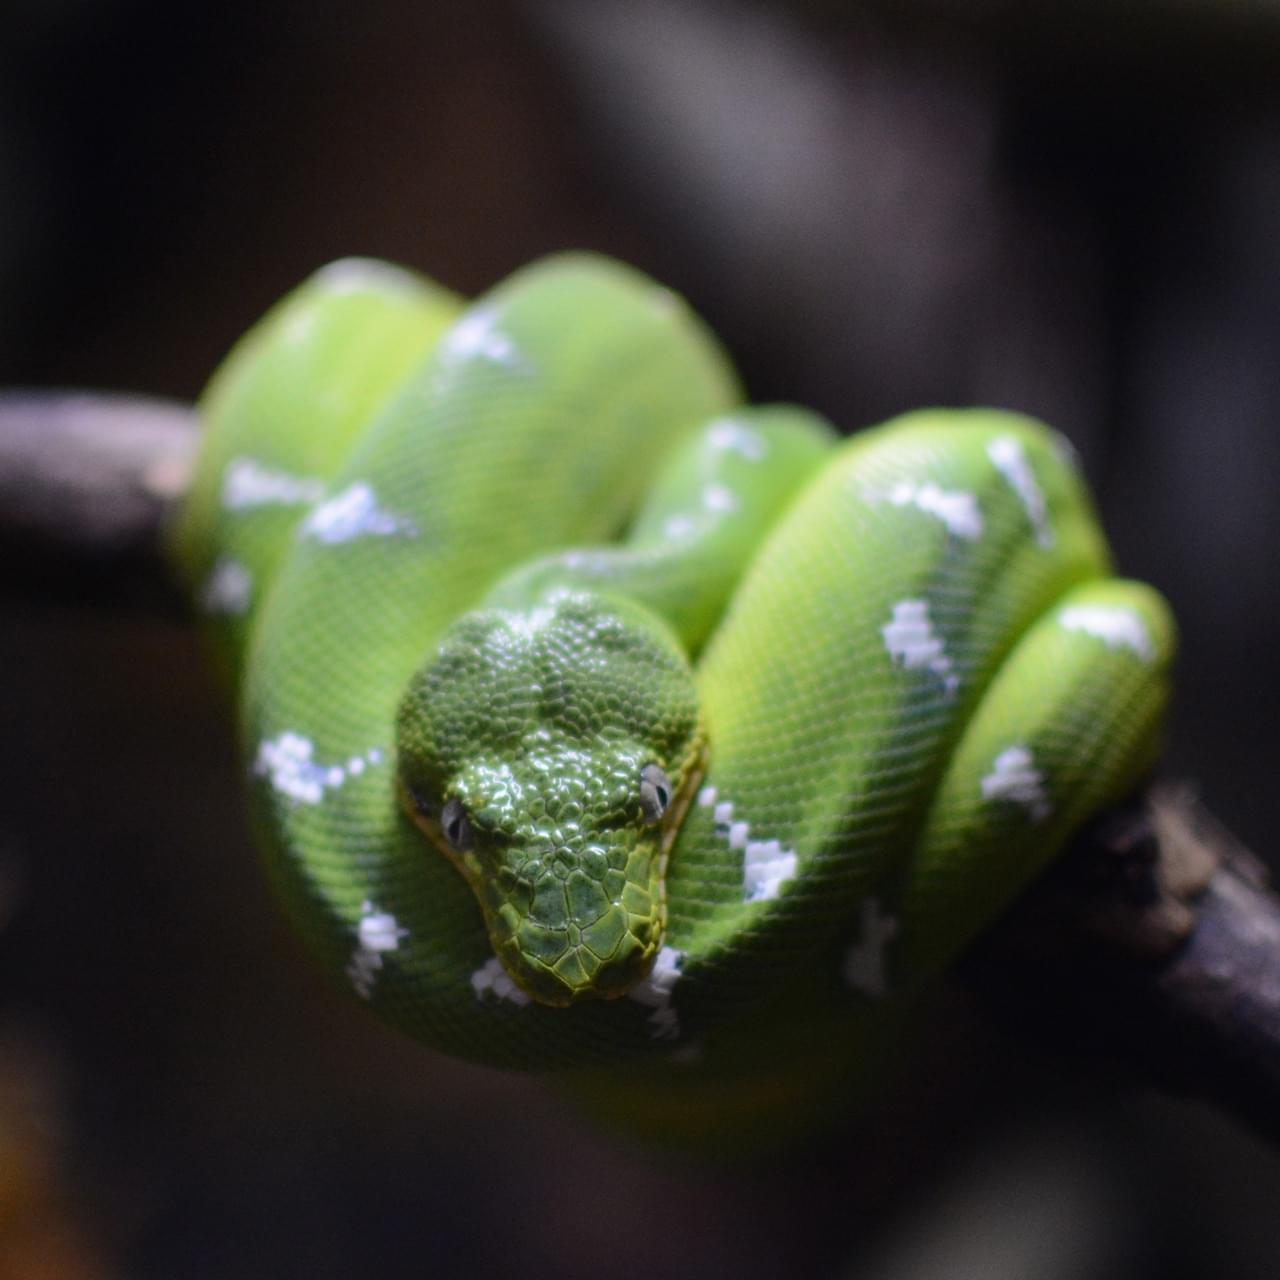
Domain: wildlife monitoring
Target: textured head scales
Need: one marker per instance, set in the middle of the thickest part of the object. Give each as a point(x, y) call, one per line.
point(550, 753)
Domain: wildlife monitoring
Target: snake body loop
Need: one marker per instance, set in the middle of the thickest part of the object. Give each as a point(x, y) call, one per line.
point(745, 728)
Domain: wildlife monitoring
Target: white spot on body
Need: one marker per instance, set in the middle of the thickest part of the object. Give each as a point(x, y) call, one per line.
point(956, 509)
point(736, 437)
point(864, 962)
point(1014, 777)
point(677, 526)
point(353, 513)
point(491, 979)
point(654, 991)
point(228, 589)
point(287, 761)
point(912, 642)
point(379, 930)
point(1116, 626)
point(1010, 459)
point(377, 933)
point(477, 334)
point(247, 483)
point(716, 497)
point(766, 865)
point(359, 275)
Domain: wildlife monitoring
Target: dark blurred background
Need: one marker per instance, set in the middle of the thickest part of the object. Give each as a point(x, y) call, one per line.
point(1070, 210)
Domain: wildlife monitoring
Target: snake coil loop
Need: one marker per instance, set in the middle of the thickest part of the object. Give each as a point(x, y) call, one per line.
point(736, 733)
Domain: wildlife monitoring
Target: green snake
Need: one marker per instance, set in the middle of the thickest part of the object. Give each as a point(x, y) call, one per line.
point(599, 723)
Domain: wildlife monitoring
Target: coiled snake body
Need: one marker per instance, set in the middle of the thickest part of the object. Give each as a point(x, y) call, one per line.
point(726, 794)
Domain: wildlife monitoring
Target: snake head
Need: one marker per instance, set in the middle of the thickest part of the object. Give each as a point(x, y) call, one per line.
point(550, 753)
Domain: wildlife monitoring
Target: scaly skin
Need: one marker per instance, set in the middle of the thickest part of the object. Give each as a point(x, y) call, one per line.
point(924, 678)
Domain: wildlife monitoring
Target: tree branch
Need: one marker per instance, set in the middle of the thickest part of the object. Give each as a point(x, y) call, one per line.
point(88, 482)
point(1153, 941)
point(92, 474)
point(1152, 944)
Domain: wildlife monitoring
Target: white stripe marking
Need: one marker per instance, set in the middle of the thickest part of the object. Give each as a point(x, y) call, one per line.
point(654, 991)
point(956, 509)
point(247, 483)
point(491, 979)
point(733, 436)
point(912, 643)
point(1116, 626)
point(477, 334)
point(1010, 459)
point(1014, 777)
point(766, 865)
point(286, 760)
point(354, 513)
point(377, 933)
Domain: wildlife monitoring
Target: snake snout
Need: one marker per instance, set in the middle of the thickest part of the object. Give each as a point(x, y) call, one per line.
point(578, 921)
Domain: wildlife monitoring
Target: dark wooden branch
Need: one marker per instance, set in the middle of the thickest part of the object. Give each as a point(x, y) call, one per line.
point(1153, 941)
point(92, 474)
point(87, 483)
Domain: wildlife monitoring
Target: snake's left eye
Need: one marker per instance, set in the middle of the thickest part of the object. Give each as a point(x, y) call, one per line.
point(655, 792)
point(456, 825)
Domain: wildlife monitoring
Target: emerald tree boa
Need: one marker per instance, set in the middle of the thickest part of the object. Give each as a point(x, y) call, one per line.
point(598, 723)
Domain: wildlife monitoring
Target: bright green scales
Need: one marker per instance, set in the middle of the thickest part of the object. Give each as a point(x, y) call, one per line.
point(912, 675)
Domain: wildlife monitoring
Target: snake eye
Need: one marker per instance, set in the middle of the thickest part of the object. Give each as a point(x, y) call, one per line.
point(655, 792)
point(456, 825)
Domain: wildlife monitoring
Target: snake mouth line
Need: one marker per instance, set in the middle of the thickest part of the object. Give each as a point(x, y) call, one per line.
point(675, 821)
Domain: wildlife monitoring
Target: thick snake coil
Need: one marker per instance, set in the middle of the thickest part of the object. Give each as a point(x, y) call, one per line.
point(725, 795)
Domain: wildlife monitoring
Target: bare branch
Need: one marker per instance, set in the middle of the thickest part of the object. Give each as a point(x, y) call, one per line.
point(91, 474)
point(1152, 944)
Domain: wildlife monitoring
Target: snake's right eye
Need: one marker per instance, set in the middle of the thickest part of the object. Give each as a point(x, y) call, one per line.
point(655, 792)
point(456, 825)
